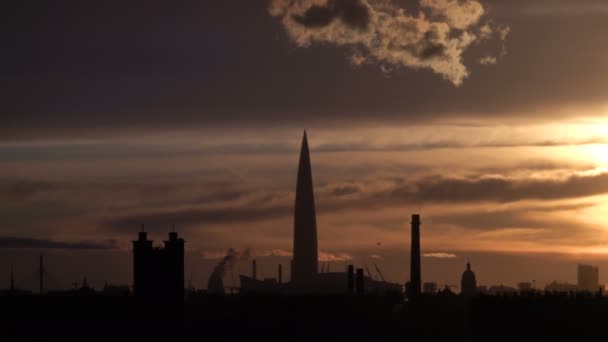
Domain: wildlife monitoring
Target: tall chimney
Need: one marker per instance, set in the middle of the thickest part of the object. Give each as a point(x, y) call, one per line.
point(41, 273)
point(351, 279)
point(280, 274)
point(254, 269)
point(12, 279)
point(415, 281)
point(360, 282)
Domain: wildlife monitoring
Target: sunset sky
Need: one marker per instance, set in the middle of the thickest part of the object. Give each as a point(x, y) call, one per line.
point(489, 119)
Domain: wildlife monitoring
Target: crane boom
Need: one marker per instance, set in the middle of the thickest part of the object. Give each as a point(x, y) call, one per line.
point(379, 272)
point(369, 273)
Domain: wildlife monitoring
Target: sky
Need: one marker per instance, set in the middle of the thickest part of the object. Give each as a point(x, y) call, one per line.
point(488, 118)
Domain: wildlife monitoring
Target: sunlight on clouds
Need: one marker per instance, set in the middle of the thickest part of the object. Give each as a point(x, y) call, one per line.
point(598, 153)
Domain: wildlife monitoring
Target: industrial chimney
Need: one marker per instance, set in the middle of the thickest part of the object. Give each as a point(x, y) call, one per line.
point(415, 281)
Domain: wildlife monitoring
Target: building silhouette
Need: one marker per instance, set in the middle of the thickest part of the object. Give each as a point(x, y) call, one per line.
point(158, 272)
point(525, 287)
point(588, 278)
point(415, 284)
point(468, 283)
point(556, 287)
point(429, 288)
point(304, 269)
point(305, 277)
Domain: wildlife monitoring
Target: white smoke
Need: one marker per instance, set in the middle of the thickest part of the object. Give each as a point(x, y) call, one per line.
point(381, 32)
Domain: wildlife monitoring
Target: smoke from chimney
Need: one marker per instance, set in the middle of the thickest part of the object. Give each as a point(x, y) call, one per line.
point(227, 263)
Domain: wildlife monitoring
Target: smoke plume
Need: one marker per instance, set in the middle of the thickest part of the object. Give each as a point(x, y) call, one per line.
point(227, 263)
point(380, 32)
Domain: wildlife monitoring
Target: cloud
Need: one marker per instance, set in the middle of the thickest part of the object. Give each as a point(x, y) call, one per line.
point(325, 256)
point(566, 8)
point(521, 217)
point(382, 32)
point(439, 255)
point(446, 144)
point(345, 190)
point(352, 13)
point(161, 221)
point(207, 255)
point(488, 60)
point(28, 243)
point(483, 188)
point(385, 193)
point(274, 253)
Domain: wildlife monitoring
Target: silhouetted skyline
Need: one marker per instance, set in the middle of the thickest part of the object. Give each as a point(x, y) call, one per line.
point(488, 127)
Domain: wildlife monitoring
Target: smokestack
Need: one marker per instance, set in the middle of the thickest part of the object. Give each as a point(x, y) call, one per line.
point(415, 281)
point(41, 273)
point(254, 269)
point(360, 282)
point(142, 235)
point(280, 274)
point(12, 279)
point(351, 279)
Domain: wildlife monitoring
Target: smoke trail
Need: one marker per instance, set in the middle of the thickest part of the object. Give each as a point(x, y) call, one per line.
point(383, 33)
point(228, 261)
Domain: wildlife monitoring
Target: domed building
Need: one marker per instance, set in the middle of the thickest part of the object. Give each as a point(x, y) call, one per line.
point(468, 285)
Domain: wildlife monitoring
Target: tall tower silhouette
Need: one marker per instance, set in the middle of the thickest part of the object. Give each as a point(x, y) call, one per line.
point(415, 282)
point(305, 253)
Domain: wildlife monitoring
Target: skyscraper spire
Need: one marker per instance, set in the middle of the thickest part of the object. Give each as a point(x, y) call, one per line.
point(305, 253)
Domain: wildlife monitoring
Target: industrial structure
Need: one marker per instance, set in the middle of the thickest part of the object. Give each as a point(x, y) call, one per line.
point(158, 272)
point(305, 276)
point(414, 286)
point(588, 278)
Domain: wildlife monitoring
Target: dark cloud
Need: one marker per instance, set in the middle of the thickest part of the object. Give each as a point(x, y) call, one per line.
point(19, 190)
point(447, 144)
point(28, 243)
point(125, 151)
point(162, 221)
point(352, 12)
point(523, 217)
point(500, 189)
point(430, 46)
point(71, 70)
point(345, 190)
point(338, 198)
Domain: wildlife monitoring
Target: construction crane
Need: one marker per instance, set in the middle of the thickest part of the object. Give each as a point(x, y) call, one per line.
point(190, 283)
point(379, 272)
point(369, 273)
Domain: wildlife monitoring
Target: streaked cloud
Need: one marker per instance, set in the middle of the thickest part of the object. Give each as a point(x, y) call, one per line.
point(327, 256)
point(31, 243)
point(439, 255)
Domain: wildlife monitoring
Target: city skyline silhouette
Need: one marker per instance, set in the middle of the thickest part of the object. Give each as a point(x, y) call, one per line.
point(159, 297)
point(440, 165)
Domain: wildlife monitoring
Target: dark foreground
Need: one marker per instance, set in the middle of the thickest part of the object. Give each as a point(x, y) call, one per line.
point(502, 318)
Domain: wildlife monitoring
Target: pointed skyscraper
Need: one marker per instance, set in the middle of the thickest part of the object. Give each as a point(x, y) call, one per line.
point(305, 254)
